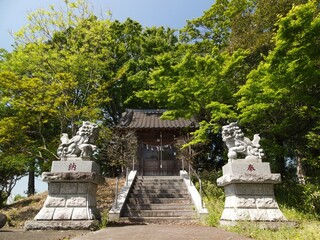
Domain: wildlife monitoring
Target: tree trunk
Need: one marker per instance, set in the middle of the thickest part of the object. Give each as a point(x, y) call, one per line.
point(300, 171)
point(31, 185)
point(280, 160)
point(2, 199)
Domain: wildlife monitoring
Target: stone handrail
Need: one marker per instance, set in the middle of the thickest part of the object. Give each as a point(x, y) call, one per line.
point(191, 170)
point(121, 196)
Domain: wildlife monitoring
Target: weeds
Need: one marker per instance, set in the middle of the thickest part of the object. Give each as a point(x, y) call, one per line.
point(104, 219)
point(305, 231)
point(295, 203)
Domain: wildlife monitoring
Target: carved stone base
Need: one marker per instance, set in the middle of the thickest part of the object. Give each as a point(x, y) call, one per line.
point(75, 166)
point(71, 201)
point(249, 190)
point(62, 225)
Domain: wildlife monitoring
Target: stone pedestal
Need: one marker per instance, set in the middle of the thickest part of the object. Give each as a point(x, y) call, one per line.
point(71, 201)
point(3, 220)
point(249, 190)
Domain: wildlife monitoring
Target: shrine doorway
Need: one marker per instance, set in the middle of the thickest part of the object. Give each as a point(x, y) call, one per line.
point(158, 154)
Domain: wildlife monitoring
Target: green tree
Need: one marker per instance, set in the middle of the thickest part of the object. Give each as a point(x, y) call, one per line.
point(253, 23)
point(25, 118)
point(281, 97)
point(230, 25)
point(211, 29)
point(132, 55)
point(193, 85)
point(68, 66)
point(13, 161)
point(12, 169)
point(59, 94)
point(154, 42)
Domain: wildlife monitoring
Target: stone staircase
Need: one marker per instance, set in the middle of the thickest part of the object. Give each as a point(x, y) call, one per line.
point(158, 199)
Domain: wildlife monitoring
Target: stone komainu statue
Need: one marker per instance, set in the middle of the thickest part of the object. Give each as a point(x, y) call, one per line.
point(82, 144)
point(238, 143)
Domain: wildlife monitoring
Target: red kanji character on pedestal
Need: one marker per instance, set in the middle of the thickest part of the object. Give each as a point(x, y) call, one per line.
point(251, 168)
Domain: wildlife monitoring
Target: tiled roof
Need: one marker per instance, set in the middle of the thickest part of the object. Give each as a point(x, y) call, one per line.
point(150, 119)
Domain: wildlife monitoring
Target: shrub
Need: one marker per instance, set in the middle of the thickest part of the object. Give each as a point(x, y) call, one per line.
point(213, 196)
point(303, 198)
point(104, 219)
point(18, 197)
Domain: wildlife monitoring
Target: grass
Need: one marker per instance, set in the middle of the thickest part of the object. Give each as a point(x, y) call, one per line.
point(306, 230)
point(299, 204)
point(23, 210)
point(215, 208)
point(104, 219)
point(307, 227)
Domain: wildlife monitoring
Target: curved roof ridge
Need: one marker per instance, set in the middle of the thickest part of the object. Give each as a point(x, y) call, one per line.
point(150, 119)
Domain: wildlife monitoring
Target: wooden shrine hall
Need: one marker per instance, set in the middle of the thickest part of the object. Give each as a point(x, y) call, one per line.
point(157, 140)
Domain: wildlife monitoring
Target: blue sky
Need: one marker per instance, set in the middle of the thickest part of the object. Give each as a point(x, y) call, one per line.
point(168, 13)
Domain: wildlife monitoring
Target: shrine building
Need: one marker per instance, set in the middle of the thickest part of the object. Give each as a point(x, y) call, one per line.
point(157, 140)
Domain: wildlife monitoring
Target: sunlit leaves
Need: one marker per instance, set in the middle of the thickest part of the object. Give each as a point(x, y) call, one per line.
point(282, 95)
point(192, 85)
point(44, 23)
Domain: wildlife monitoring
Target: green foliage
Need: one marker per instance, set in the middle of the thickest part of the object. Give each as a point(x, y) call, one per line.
point(119, 152)
point(291, 195)
point(290, 198)
point(68, 66)
point(213, 197)
point(12, 168)
point(307, 230)
point(211, 29)
point(281, 97)
point(18, 197)
point(105, 60)
point(246, 24)
point(192, 85)
point(104, 219)
point(215, 208)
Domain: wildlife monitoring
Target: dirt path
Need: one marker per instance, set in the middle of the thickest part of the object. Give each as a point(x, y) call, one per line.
point(127, 232)
point(161, 232)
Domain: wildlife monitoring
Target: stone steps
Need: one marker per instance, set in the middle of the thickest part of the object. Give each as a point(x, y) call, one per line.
point(159, 220)
point(160, 213)
point(158, 199)
point(158, 185)
point(159, 195)
point(165, 188)
point(147, 200)
point(160, 207)
point(159, 191)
